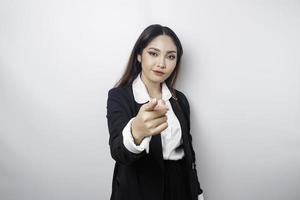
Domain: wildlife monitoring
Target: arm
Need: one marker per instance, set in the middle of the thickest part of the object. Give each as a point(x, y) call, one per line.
point(186, 106)
point(129, 142)
point(117, 118)
point(200, 196)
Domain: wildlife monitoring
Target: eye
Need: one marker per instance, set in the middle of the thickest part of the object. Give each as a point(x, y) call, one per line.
point(172, 57)
point(152, 53)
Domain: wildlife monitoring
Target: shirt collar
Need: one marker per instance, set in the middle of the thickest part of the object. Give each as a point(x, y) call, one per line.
point(141, 94)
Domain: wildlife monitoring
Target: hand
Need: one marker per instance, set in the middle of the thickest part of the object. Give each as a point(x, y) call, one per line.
point(150, 120)
point(161, 105)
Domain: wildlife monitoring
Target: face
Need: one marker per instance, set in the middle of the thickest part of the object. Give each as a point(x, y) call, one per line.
point(158, 59)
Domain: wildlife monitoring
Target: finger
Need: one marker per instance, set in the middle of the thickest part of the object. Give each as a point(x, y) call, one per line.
point(150, 105)
point(161, 105)
point(157, 130)
point(156, 122)
point(161, 101)
point(156, 114)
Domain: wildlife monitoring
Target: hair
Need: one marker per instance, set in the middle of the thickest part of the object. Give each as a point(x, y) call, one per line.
point(133, 67)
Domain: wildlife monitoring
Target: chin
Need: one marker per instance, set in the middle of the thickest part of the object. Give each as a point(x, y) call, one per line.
point(158, 79)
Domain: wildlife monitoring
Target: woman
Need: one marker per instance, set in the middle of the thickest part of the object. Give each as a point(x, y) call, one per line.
point(149, 124)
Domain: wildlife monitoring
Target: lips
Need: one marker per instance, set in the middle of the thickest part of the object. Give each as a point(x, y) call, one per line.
point(158, 72)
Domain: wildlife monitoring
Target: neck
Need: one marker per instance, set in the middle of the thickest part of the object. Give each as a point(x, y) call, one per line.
point(153, 88)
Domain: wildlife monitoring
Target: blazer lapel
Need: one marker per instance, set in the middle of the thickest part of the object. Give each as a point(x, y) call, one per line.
point(184, 130)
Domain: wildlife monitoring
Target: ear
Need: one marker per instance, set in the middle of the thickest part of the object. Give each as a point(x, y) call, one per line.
point(139, 58)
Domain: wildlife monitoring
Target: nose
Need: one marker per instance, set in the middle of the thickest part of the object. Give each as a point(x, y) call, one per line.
point(162, 63)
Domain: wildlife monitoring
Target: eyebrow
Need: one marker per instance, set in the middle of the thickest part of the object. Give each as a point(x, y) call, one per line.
point(159, 50)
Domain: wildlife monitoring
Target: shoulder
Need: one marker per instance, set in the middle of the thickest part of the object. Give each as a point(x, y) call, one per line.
point(120, 92)
point(120, 96)
point(182, 100)
point(181, 96)
point(120, 99)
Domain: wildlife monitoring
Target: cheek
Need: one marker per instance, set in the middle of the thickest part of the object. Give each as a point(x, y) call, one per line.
point(147, 65)
point(172, 65)
point(149, 61)
point(171, 69)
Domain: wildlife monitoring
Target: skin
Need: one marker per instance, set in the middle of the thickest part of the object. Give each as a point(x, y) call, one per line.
point(160, 54)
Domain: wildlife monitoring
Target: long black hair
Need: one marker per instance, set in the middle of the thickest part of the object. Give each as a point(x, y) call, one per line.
point(133, 67)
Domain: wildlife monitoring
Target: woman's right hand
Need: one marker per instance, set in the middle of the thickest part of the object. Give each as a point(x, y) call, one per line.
point(150, 120)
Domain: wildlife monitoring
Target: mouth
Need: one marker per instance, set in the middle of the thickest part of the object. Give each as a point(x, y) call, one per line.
point(159, 73)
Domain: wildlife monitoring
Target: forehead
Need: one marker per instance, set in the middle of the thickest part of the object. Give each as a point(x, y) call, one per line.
point(163, 43)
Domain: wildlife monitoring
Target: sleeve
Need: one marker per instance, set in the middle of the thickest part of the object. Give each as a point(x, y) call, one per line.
point(200, 197)
point(129, 141)
point(187, 110)
point(118, 115)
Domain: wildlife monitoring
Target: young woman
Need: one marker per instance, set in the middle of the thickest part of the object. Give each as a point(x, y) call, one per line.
point(149, 124)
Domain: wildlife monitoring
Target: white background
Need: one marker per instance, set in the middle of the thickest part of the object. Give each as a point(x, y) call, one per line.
point(240, 72)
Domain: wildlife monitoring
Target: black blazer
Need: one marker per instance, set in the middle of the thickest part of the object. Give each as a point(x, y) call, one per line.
point(140, 176)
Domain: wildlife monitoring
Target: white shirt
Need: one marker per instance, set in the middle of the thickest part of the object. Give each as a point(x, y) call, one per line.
point(170, 137)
